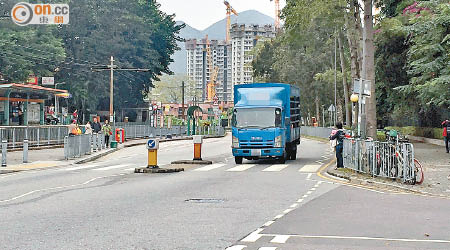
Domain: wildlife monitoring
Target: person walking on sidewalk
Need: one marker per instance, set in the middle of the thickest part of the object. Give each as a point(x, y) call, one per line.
point(107, 130)
point(339, 137)
point(446, 134)
point(96, 126)
point(88, 128)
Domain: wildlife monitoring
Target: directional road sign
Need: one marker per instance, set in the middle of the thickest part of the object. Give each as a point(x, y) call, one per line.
point(153, 144)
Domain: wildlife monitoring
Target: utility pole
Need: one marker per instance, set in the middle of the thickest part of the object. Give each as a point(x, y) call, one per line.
point(111, 67)
point(335, 80)
point(182, 100)
point(111, 90)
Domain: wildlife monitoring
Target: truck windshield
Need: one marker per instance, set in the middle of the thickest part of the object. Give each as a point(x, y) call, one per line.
point(257, 117)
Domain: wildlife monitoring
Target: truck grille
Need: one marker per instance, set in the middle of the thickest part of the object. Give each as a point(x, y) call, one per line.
point(256, 144)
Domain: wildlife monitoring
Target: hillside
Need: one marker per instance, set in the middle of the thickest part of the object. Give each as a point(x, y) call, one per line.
point(215, 31)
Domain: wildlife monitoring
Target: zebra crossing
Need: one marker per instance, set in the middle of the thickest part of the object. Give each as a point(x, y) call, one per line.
point(302, 168)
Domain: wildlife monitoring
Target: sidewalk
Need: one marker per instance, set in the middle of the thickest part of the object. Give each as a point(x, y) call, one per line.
point(436, 165)
point(54, 157)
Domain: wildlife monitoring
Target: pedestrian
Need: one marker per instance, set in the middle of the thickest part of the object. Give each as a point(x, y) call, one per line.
point(96, 126)
point(75, 114)
point(446, 134)
point(88, 128)
point(339, 137)
point(20, 117)
point(73, 128)
point(107, 130)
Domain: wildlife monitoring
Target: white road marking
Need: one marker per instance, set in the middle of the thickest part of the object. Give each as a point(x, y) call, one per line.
point(325, 157)
point(299, 200)
point(268, 223)
point(267, 248)
point(279, 216)
point(309, 192)
point(294, 205)
point(59, 187)
point(310, 168)
point(254, 236)
point(210, 167)
point(280, 239)
point(319, 162)
point(287, 210)
point(111, 167)
point(304, 196)
point(237, 247)
point(309, 176)
point(362, 238)
point(313, 189)
point(275, 168)
point(242, 167)
point(129, 169)
point(79, 167)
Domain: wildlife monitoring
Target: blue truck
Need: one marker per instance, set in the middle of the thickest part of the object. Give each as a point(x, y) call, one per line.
point(266, 121)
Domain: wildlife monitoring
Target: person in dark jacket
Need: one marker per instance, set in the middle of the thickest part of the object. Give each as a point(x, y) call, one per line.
point(446, 134)
point(96, 126)
point(339, 136)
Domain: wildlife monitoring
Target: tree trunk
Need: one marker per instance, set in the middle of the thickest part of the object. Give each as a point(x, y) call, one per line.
point(359, 34)
point(352, 44)
point(344, 81)
point(369, 69)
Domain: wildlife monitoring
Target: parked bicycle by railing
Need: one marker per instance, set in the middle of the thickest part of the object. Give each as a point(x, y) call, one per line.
point(394, 157)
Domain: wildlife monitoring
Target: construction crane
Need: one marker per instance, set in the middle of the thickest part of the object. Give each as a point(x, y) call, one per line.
point(277, 14)
point(213, 72)
point(229, 11)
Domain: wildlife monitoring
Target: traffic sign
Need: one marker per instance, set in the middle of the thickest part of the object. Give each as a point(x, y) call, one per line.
point(331, 108)
point(153, 144)
point(356, 85)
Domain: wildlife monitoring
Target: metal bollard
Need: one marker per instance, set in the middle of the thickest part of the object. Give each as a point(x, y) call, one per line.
point(66, 147)
point(94, 142)
point(25, 151)
point(4, 151)
point(80, 145)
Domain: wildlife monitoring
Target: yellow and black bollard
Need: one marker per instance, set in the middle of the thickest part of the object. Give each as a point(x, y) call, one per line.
point(198, 140)
point(152, 147)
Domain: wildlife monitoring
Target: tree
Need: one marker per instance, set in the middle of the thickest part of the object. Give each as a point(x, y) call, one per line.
point(168, 89)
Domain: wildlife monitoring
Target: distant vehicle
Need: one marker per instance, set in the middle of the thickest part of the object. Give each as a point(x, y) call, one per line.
point(266, 121)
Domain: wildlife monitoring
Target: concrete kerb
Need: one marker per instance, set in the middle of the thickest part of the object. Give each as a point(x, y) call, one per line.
point(369, 181)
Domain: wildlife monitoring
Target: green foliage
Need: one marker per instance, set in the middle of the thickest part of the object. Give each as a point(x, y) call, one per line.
point(136, 33)
point(428, 55)
point(433, 133)
point(168, 89)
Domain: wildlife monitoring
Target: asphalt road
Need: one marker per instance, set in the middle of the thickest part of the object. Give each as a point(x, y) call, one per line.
point(257, 205)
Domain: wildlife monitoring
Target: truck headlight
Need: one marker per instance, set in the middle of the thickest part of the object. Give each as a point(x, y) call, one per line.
point(235, 142)
point(278, 142)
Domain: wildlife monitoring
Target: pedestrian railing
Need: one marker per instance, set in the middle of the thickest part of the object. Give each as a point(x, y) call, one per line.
point(80, 145)
point(382, 159)
point(36, 135)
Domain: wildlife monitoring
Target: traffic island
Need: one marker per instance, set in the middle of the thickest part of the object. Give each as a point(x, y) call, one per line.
point(157, 170)
point(192, 162)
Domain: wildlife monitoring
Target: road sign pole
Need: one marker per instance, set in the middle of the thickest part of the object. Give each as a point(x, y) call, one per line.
point(152, 148)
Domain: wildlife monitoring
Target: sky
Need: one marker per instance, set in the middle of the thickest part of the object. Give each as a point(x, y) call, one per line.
point(202, 13)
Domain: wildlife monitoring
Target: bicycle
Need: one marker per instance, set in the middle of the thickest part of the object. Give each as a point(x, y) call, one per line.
point(392, 157)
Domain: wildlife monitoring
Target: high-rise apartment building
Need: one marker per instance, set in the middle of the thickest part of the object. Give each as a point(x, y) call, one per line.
point(234, 59)
point(243, 39)
point(198, 68)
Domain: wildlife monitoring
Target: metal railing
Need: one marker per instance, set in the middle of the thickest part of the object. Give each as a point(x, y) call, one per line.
point(36, 135)
point(80, 145)
point(382, 159)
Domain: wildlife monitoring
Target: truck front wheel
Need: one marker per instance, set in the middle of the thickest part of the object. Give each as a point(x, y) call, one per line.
point(238, 159)
point(282, 159)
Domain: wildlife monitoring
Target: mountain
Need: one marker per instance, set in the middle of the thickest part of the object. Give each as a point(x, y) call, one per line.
point(215, 31)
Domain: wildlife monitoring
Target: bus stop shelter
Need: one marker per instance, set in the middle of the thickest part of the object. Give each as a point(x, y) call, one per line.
point(32, 99)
